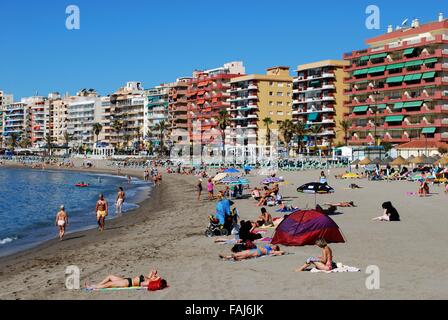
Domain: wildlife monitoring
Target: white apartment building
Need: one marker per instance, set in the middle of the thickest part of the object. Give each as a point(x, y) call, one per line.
point(155, 112)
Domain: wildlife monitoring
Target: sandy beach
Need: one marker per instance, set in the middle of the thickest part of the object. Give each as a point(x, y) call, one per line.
point(167, 233)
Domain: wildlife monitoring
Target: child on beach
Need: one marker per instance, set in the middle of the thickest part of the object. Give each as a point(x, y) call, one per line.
point(324, 263)
point(390, 213)
point(61, 222)
point(210, 187)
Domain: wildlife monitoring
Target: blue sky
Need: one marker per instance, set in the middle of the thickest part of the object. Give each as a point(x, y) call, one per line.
point(158, 41)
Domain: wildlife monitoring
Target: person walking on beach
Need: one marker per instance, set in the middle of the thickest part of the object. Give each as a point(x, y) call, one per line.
point(129, 179)
point(120, 200)
point(199, 189)
point(61, 221)
point(102, 210)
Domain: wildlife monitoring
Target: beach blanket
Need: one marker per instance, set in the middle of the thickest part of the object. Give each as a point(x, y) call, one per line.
point(256, 258)
point(340, 268)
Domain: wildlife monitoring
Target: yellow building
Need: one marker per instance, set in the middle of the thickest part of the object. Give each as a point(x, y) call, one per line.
point(319, 102)
point(256, 97)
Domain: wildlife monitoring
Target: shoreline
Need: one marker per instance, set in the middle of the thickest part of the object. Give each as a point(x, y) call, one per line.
point(140, 200)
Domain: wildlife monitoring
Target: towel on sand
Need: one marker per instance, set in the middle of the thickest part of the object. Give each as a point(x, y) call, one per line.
point(340, 268)
point(114, 289)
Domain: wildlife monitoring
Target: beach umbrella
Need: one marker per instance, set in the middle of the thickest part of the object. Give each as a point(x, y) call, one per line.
point(443, 161)
point(419, 160)
point(400, 161)
point(354, 163)
point(365, 162)
point(304, 227)
point(247, 168)
point(410, 159)
point(231, 170)
point(219, 177)
point(229, 179)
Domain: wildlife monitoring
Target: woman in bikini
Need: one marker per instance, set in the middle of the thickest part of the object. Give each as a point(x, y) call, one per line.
point(267, 250)
point(152, 281)
point(322, 263)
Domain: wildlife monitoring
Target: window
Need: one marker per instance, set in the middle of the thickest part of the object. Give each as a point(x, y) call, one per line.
point(271, 84)
point(288, 94)
point(280, 84)
point(271, 103)
point(279, 94)
point(288, 104)
point(271, 113)
point(279, 103)
point(271, 93)
point(280, 113)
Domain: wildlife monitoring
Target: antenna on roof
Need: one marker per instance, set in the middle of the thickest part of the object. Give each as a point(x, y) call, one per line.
point(405, 22)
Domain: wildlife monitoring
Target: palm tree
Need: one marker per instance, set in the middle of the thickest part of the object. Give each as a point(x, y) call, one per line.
point(314, 131)
point(287, 130)
point(300, 133)
point(267, 122)
point(344, 127)
point(97, 127)
point(117, 125)
point(160, 127)
point(13, 137)
point(223, 121)
point(49, 142)
point(25, 143)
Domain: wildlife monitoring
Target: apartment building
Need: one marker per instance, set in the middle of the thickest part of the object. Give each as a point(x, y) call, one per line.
point(207, 95)
point(127, 116)
point(319, 103)
point(17, 122)
point(398, 86)
point(178, 104)
point(155, 112)
point(81, 115)
point(254, 98)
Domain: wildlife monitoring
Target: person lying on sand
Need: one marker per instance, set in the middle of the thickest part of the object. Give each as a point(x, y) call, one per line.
point(152, 281)
point(255, 253)
point(342, 204)
point(322, 263)
point(354, 186)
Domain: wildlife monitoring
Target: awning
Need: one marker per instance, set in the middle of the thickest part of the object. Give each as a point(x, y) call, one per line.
point(413, 104)
point(412, 77)
point(379, 55)
point(432, 60)
point(408, 51)
point(314, 82)
point(398, 105)
point(429, 130)
point(413, 63)
point(360, 109)
point(377, 69)
point(365, 58)
point(380, 106)
point(313, 116)
point(360, 72)
point(394, 119)
point(429, 75)
point(395, 66)
point(395, 79)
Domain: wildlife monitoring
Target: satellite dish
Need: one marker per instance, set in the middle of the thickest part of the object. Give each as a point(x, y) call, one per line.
point(405, 22)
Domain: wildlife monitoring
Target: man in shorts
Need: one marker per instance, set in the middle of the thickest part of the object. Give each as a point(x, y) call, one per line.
point(102, 210)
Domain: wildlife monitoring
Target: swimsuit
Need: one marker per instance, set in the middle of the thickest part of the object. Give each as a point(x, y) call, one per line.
point(61, 223)
point(101, 214)
point(131, 282)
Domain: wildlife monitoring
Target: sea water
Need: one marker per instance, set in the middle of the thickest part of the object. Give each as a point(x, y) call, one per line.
point(30, 199)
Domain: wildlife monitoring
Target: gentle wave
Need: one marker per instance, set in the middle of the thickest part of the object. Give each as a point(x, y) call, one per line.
point(8, 240)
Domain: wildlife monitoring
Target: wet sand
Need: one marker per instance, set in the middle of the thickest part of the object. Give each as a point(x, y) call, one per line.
point(167, 233)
